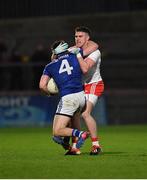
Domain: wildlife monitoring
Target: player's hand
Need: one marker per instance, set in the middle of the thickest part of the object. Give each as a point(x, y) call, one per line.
point(74, 50)
point(61, 48)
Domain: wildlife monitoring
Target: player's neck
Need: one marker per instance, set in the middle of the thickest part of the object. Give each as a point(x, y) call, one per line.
point(85, 46)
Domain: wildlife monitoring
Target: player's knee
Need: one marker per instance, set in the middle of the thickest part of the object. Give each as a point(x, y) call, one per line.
point(85, 114)
point(55, 132)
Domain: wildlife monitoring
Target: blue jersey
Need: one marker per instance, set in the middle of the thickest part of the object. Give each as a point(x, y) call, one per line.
point(66, 72)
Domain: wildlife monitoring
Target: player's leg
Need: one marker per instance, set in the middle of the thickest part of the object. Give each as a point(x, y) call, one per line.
point(75, 123)
point(60, 126)
point(60, 129)
point(91, 123)
point(89, 120)
point(63, 141)
point(77, 142)
point(76, 102)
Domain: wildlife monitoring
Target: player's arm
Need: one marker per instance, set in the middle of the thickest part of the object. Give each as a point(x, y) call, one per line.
point(85, 64)
point(91, 47)
point(43, 84)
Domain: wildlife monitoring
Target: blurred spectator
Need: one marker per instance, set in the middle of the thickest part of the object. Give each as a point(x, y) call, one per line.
point(40, 57)
point(16, 71)
point(3, 51)
point(5, 76)
point(41, 54)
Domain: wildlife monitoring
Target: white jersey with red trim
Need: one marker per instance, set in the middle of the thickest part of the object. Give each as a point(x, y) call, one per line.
point(93, 74)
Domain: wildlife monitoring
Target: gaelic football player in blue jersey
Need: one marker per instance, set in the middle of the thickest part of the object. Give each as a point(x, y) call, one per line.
point(66, 72)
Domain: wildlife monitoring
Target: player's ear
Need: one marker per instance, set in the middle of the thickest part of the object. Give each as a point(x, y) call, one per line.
point(88, 37)
point(53, 56)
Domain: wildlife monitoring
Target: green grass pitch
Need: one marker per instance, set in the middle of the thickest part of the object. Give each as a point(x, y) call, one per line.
point(30, 153)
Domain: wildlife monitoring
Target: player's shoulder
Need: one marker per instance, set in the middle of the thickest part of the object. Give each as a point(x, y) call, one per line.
point(95, 53)
point(50, 63)
point(54, 61)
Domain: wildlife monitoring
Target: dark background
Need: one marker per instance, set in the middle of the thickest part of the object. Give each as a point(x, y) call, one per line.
point(28, 27)
point(35, 8)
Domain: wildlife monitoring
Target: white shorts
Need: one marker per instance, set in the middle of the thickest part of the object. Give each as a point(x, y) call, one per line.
point(71, 103)
point(92, 98)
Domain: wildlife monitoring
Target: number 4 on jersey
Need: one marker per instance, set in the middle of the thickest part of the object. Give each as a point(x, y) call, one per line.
point(65, 67)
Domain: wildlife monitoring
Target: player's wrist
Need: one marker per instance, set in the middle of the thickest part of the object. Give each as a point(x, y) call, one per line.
point(79, 55)
point(74, 50)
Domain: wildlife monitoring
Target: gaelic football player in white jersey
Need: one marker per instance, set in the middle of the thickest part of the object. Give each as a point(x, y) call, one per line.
point(93, 84)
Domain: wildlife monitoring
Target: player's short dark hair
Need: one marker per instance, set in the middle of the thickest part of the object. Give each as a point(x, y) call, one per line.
point(56, 43)
point(83, 29)
point(59, 46)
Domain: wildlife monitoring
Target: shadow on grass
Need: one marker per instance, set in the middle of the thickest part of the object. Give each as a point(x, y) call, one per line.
point(106, 153)
point(115, 153)
point(123, 154)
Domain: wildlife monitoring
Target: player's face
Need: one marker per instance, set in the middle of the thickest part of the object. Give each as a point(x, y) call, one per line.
point(81, 39)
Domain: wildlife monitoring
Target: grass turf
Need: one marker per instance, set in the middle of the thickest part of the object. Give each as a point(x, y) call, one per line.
point(30, 153)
